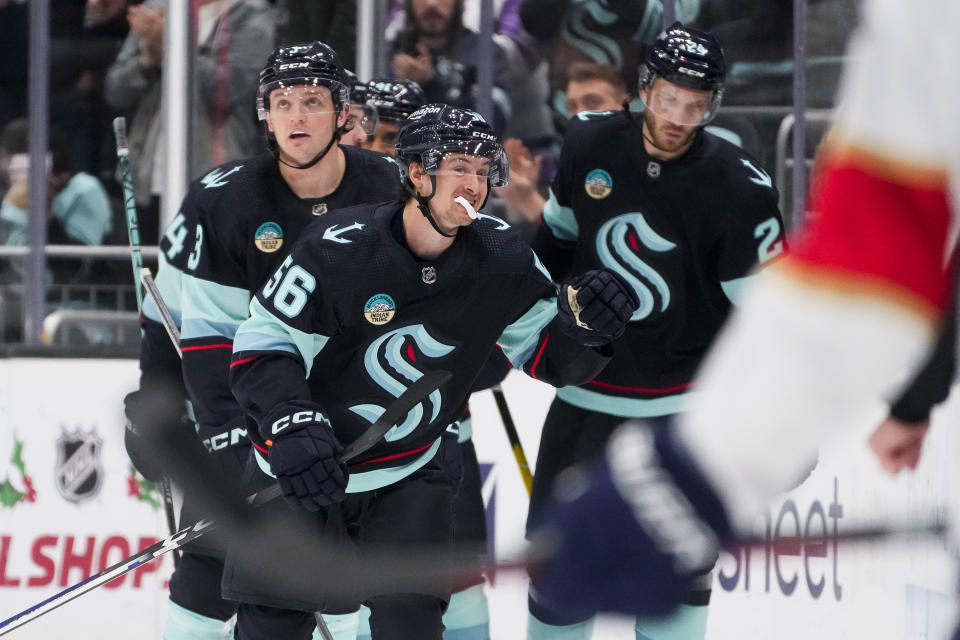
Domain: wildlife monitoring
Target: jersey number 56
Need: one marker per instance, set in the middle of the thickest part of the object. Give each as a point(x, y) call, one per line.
point(294, 284)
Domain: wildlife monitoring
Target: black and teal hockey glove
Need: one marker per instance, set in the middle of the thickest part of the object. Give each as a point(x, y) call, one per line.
point(594, 309)
point(303, 456)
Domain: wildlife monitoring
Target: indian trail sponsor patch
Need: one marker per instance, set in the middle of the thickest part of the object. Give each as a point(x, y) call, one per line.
point(269, 237)
point(379, 309)
point(598, 184)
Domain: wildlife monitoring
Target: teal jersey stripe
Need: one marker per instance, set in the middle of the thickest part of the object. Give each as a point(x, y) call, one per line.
point(560, 219)
point(211, 305)
point(734, 289)
point(201, 328)
point(169, 282)
point(263, 325)
point(252, 341)
point(370, 480)
point(624, 407)
point(520, 338)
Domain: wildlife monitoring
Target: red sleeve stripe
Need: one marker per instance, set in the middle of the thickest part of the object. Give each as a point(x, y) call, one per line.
point(891, 233)
point(536, 361)
point(617, 387)
point(207, 346)
point(236, 362)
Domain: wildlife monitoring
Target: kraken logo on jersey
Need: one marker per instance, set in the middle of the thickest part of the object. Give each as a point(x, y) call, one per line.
point(598, 184)
point(395, 350)
point(269, 237)
point(379, 309)
point(618, 246)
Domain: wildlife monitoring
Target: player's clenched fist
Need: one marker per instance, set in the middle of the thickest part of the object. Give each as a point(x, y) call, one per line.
point(303, 457)
point(596, 307)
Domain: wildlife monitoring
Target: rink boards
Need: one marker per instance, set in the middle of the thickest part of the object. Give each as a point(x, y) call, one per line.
point(69, 506)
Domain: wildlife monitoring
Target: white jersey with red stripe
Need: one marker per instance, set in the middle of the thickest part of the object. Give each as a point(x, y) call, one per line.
point(826, 333)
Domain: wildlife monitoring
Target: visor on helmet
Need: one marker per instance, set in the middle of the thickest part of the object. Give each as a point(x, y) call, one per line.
point(319, 103)
point(364, 116)
point(498, 170)
point(680, 105)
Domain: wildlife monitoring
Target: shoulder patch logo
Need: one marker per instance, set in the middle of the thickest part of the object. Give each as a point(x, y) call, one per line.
point(269, 237)
point(598, 184)
point(379, 309)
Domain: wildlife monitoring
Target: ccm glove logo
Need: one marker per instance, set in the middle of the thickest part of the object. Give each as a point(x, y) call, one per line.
point(298, 418)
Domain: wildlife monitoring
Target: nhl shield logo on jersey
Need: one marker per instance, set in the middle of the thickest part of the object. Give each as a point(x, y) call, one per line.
point(598, 184)
point(79, 470)
point(379, 309)
point(319, 208)
point(269, 237)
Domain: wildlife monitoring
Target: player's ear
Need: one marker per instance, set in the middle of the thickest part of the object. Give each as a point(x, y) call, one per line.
point(342, 116)
point(419, 178)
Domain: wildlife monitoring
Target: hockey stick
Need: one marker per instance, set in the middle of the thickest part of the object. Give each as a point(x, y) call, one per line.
point(136, 259)
point(414, 394)
point(168, 322)
point(513, 437)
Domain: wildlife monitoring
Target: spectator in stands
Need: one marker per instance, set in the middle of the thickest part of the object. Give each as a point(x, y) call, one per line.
point(598, 31)
point(590, 87)
point(234, 38)
point(439, 53)
point(78, 212)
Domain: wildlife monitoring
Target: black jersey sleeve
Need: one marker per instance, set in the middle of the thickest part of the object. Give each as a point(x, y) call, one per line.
point(289, 324)
point(751, 230)
point(931, 386)
point(534, 341)
point(558, 231)
point(215, 301)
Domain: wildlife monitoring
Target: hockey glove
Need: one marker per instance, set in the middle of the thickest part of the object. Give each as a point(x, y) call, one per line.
point(594, 309)
point(303, 456)
point(631, 534)
point(151, 416)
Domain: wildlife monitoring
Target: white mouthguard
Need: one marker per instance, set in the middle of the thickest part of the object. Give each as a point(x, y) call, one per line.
point(466, 205)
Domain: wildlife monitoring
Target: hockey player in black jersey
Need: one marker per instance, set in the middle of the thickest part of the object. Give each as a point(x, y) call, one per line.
point(683, 217)
point(370, 298)
point(394, 100)
point(234, 227)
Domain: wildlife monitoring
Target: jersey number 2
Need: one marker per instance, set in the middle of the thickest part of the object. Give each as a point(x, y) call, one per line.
point(769, 247)
point(294, 285)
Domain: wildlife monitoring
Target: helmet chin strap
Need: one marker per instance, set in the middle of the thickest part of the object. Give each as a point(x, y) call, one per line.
point(423, 203)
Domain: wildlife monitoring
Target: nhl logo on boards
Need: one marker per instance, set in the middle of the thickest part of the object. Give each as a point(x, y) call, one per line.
point(429, 275)
point(598, 184)
point(79, 470)
point(653, 169)
point(319, 208)
point(379, 309)
point(269, 237)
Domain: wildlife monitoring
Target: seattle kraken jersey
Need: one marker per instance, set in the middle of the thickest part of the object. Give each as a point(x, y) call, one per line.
point(684, 234)
point(352, 316)
point(246, 219)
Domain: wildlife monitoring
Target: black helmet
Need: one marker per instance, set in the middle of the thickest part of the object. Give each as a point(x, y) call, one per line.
point(395, 100)
point(358, 89)
point(434, 130)
point(685, 56)
point(313, 63)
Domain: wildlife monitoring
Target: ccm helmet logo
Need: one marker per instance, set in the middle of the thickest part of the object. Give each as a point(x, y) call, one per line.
point(294, 65)
point(300, 417)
